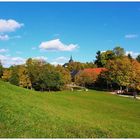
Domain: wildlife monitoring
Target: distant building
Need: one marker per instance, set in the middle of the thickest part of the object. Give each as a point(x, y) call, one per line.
point(70, 61)
point(91, 70)
point(95, 70)
point(87, 70)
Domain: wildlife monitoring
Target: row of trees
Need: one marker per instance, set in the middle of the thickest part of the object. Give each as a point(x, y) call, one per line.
point(122, 71)
point(118, 52)
point(38, 75)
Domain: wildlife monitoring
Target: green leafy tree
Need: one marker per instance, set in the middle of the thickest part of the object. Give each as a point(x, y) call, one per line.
point(119, 52)
point(102, 58)
point(65, 74)
point(14, 78)
point(89, 65)
point(75, 66)
point(34, 67)
point(44, 76)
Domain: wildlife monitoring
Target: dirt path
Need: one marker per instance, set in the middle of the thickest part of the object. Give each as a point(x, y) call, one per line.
point(126, 95)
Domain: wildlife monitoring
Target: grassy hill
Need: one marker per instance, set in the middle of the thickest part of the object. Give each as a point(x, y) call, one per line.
point(30, 114)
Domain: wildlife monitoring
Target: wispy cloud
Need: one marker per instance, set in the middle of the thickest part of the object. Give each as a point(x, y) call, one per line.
point(4, 37)
point(41, 58)
point(3, 50)
point(57, 45)
point(7, 60)
point(131, 36)
point(9, 25)
point(60, 60)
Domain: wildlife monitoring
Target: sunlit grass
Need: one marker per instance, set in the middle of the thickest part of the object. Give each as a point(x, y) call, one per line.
point(30, 114)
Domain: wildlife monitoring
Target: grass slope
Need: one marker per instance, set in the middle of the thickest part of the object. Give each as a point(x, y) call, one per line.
point(30, 114)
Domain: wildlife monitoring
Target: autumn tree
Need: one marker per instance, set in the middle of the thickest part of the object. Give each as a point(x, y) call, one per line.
point(65, 74)
point(135, 75)
point(6, 74)
point(85, 79)
point(75, 66)
point(24, 79)
point(119, 71)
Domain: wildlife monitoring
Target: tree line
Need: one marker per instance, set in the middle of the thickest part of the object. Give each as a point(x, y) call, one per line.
point(39, 75)
point(122, 71)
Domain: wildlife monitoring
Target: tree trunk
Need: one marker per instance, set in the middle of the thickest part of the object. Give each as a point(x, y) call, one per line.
point(126, 89)
point(107, 85)
point(111, 87)
point(135, 94)
point(120, 88)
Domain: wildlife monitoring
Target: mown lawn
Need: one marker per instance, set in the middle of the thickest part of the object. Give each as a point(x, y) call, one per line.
point(93, 114)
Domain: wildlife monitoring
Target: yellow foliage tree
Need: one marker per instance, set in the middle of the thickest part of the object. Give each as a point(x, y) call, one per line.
point(24, 79)
point(6, 74)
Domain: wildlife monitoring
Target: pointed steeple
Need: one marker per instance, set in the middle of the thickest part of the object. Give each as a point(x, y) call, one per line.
point(71, 59)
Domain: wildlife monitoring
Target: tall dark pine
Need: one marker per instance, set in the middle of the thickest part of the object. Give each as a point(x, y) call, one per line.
point(129, 56)
point(98, 60)
point(138, 58)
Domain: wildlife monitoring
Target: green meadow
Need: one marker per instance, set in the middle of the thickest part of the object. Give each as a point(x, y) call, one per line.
point(93, 114)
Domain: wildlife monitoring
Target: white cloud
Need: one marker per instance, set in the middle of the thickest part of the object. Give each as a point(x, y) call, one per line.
point(133, 54)
point(3, 50)
point(9, 25)
point(60, 60)
point(103, 51)
point(56, 63)
point(40, 58)
point(17, 60)
point(8, 60)
point(4, 37)
point(131, 36)
point(56, 45)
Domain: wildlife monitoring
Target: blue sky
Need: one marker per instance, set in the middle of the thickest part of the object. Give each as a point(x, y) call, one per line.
point(55, 31)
